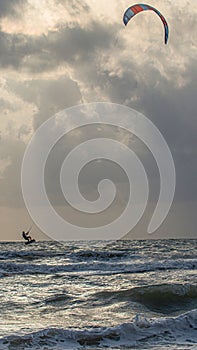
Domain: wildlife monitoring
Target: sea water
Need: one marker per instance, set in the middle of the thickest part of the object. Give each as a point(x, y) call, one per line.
point(99, 295)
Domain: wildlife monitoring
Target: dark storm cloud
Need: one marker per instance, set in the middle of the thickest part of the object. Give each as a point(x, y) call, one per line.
point(11, 7)
point(15, 47)
point(39, 54)
point(76, 46)
point(173, 111)
point(80, 43)
point(171, 107)
point(48, 96)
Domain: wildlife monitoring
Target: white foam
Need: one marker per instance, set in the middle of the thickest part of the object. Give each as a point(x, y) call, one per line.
point(177, 331)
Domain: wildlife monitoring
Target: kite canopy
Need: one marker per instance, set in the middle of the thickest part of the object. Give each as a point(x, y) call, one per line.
point(133, 10)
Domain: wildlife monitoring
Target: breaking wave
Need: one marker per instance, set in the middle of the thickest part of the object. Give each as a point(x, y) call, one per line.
point(174, 330)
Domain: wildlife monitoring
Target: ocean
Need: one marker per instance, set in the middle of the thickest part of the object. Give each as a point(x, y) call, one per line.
point(99, 295)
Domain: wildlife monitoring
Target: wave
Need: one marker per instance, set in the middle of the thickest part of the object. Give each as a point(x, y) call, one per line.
point(101, 255)
point(78, 255)
point(142, 331)
point(29, 255)
point(55, 299)
point(96, 267)
point(161, 298)
point(99, 250)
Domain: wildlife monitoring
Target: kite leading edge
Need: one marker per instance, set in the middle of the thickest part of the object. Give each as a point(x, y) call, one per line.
point(135, 9)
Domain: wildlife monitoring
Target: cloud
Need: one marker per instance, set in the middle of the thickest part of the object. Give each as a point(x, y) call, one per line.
point(11, 7)
point(47, 95)
point(75, 7)
point(12, 151)
point(44, 53)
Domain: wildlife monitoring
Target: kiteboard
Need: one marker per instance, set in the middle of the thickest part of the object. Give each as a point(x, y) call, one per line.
point(32, 241)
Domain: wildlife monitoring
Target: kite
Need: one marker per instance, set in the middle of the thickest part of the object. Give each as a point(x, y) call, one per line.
point(135, 9)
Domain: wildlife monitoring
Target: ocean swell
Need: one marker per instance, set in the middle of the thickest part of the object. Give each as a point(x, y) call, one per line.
point(161, 298)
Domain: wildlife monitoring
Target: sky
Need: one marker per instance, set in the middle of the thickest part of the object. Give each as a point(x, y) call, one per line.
point(56, 54)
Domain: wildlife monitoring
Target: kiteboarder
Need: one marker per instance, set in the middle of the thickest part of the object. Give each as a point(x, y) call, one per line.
point(26, 236)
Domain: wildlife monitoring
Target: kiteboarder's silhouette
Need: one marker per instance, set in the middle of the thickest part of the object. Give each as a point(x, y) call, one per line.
point(26, 236)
